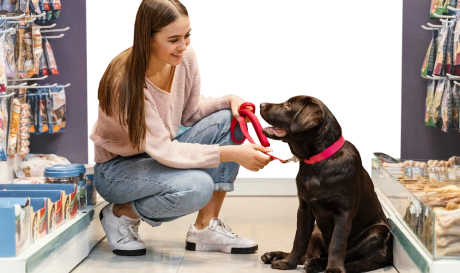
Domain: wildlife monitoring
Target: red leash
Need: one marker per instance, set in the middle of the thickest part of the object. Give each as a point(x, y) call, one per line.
point(330, 151)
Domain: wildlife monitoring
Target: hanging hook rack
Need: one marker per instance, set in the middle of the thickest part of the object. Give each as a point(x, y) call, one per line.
point(13, 17)
point(55, 30)
point(43, 14)
point(453, 9)
point(30, 79)
point(434, 26)
point(30, 86)
point(10, 30)
point(435, 78)
point(53, 37)
point(64, 86)
point(443, 16)
point(24, 21)
point(427, 28)
point(50, 26)
point(452, 77)
point(457, 83)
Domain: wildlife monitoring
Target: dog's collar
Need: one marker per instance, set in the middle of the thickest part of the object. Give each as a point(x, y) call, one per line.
point(334, 148)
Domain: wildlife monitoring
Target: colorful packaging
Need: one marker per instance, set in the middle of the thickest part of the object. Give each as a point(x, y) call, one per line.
point(32, 117)
point(428, 64)
point(56, 7)
point(449, 47)
point(3, 125)
point(11, 70)
point(21, 51)
point(441, 54)
point(434, 114)
point(43, 95)
point(50, 58)
point(57, 110)
point(38, 50)
point(456, 107)
point(44, 71)
point(14, 126)
point(436, 8)
point(3, 82)
point(445, 108)
point(23, 6)
point(9, 5)
point(29, 56)
point(429, 121)
point(35, 7)
point(24, 124)
point(45, 4)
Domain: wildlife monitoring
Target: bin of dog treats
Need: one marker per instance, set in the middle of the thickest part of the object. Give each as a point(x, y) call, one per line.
point(80, 182)
point(82, 190)
point(63, 174)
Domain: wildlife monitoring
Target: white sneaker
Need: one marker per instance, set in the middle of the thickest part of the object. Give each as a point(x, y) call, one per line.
point(218, 237)
point(122, 233)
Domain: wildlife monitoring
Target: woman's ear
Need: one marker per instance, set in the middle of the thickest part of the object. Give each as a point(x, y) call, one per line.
point(310, 116)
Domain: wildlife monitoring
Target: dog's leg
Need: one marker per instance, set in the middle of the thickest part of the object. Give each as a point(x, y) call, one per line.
point(305, 224)
point(338, 245)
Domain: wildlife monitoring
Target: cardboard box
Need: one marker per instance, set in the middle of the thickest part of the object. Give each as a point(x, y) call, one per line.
point(54, 212)
point(14, 226)
point(69, 204)
point(39, 219)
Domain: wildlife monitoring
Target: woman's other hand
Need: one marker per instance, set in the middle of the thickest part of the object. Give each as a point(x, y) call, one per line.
point(235, 103)
point(247, 155)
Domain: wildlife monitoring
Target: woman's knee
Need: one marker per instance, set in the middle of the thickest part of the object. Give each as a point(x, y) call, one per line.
point(201, 193)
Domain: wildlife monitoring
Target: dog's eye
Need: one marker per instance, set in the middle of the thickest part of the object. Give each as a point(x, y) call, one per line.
point(288, 105)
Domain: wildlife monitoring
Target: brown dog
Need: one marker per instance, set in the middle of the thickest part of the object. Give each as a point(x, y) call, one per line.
point(351, 232)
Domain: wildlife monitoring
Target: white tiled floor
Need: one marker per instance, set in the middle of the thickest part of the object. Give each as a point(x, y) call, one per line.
point(270, 221)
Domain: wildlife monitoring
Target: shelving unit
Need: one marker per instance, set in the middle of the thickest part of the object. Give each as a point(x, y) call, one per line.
point(63, 249)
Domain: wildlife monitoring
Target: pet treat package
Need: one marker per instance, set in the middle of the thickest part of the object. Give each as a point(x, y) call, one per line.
point(428, 64)
point(57, 110)
point(28, 55)
point(30, 100)
point(3, 83)
point(452, 4)
point(44, 71)
point(11, 70)
point(24, 124)
point(42, 94)
point(45, 4)
point(56, 7)
point(21, 51)
point(449, 48)
point(445, 6)
point(35, 7)
point(437, 102)
point(441, 54)
point(436, 8)
point(445, 107)
point(455, 105)
point(50, 58)
point(14, 126)
point(38, 50)
point(4, 115)
point(9, 5)
point(23, 5)
point(429, 120)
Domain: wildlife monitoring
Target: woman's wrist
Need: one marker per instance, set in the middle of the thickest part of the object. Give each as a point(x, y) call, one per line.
point(226, 153)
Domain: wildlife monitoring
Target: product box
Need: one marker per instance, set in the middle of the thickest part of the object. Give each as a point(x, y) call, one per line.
point(90, 189)
point(67, 207)
point(39, 218)
point(14, 226)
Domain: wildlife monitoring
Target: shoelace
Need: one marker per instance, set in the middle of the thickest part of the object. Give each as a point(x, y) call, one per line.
point(219, 225)
point(130, 230)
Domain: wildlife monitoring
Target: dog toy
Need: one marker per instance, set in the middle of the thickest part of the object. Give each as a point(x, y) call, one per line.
point(258, 124)
point(257, 127)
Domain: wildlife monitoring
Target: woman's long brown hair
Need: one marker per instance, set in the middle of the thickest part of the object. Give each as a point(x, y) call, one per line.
point(121, 89)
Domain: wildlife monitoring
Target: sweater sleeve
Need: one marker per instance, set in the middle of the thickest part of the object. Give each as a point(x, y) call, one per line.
point(198, 106)
point(173, 153)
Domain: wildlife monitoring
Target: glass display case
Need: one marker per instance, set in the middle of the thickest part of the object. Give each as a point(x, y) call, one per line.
point(427, 207)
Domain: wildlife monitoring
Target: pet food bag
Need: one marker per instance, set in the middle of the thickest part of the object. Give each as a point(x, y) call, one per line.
point(428, 64)
point(57, 110)
point(3, 82)
point(436, 8)
point(456, 107)
point(445, 107)
point(429, 121)
point(50, 58)
point(441, 54)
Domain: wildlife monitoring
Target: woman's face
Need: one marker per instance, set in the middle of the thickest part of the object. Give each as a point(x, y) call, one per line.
point(172, 40)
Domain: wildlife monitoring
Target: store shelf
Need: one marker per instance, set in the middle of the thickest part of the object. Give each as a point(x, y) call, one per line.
point(63, 249)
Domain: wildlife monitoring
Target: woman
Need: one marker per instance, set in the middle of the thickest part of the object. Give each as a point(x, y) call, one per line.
point(144, 168)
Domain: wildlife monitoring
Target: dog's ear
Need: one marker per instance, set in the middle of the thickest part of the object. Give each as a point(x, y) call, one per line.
point(310, 116)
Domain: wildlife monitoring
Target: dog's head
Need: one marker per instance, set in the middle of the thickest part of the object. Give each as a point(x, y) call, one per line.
point(300, 121)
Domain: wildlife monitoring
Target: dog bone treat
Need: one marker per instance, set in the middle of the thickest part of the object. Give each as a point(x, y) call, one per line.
point(447, 232)
point(451, 206)
point(447, 189)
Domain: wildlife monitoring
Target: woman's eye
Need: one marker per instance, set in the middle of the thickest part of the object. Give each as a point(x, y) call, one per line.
point(186, 36)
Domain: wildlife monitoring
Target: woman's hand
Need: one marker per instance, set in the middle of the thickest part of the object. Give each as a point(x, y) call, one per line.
point(246, 155)
point(235, 103)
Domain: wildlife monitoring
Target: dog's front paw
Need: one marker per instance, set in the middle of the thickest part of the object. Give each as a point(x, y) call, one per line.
point(283, 264)
point(270, 257)
point(335, 270)
point(315, 265)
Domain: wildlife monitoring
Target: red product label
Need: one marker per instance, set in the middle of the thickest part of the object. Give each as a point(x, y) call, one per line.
point(46, 5)
point(45, 72)
point(73, 205)
point(57, 4)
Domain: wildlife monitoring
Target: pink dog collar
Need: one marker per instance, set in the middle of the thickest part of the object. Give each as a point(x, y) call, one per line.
point(334, 148)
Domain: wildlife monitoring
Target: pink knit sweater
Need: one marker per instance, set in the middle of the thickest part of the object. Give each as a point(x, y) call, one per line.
point(164, 113)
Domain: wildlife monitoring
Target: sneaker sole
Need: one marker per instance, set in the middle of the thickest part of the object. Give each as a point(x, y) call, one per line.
point(136, 252)
point(248, 250)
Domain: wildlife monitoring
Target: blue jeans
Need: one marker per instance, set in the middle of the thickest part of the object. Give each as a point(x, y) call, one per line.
point(159, 193)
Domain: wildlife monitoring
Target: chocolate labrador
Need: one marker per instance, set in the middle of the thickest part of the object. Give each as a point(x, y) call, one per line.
point(351, 233)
